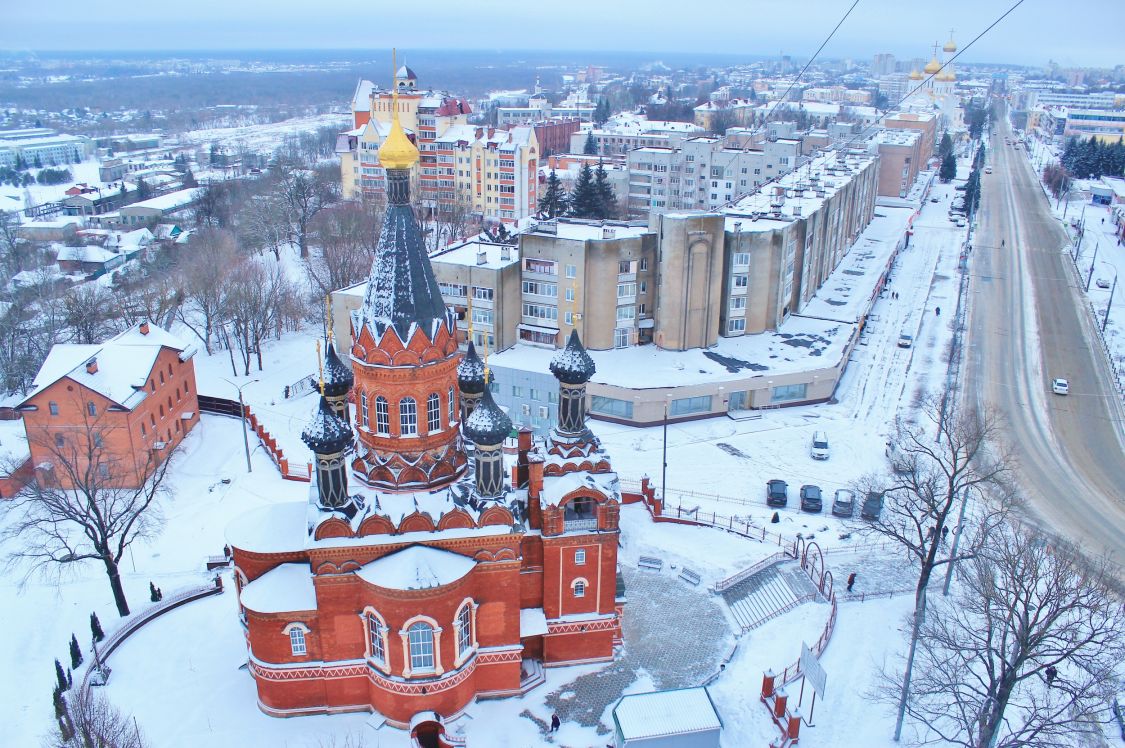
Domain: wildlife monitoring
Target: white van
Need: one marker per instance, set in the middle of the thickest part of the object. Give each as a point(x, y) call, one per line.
point(819, 448)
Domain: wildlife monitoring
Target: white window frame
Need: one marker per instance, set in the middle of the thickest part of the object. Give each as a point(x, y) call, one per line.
point(433, 413)
point(377, 643)
point(363, 410)
point(408, 417)
point(298, 643)
point(382, 416)
point(578, 587)
point(580, 557)
point(452, 407)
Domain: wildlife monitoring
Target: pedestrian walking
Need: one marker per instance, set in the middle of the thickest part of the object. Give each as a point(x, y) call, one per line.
point(851, 581)
point(937, 311)
point(555, 723)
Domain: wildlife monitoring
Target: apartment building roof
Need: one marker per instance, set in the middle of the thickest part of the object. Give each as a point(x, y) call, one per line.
point(473, 251)
point(580, 230)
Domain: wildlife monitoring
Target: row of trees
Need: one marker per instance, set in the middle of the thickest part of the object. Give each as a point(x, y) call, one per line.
point(592, 196)
point(1021, 650)
point(1084, 159)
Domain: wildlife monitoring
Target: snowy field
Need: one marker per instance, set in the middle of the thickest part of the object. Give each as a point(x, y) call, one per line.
point(261, 138)
point(195, 651)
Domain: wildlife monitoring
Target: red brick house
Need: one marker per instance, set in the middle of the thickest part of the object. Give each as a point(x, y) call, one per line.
point(131, 398)
point(435, 578)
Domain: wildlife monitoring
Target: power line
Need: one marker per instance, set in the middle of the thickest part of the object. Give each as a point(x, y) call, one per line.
point(930, 77)
point(812, 59)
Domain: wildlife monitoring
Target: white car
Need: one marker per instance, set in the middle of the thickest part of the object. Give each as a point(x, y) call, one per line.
point(1060, 387)
point(1101, 283)
point(988, 170)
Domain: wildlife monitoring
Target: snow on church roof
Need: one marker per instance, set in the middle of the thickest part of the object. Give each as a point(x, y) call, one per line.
point(555, 487)
point(418, 567)
point(283, 589)
point(664, 713)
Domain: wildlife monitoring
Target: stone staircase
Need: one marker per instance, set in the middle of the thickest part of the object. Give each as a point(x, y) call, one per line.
point(768, 594)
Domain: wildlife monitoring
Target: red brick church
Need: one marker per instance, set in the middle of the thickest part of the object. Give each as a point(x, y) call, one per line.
point(444, 570)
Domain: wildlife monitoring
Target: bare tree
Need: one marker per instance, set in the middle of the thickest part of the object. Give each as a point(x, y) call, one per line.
point(255, 305)
point(213, 207)
point(10, 249)
point(266, 223)
point(936, 465)
point(304, 192)
point(930, 478)
point(90, 504)
point(452, 220)
point(1026, 653)
point(202, 276)
point(90, 721)
point(347, 235)
point(155, 299)
point(89, 313)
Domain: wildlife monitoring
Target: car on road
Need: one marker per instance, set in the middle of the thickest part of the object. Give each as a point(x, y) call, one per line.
point(960, 188)
point(1101, 283)
point(905, 340)
point(872, 506)
point(843, 503)
point(818, 450)
point(988, 170)
point(935, 199)
point(810, 498)
point(777, 492)
point(960, 223)
point(1060, 386)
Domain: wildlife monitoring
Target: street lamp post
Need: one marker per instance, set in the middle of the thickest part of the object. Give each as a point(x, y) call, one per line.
point(242, 415)
point(1105, 320)
point(1093, 261)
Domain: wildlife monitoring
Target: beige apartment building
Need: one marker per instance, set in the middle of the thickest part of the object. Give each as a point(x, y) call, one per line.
point(901, 157)
point(924, 122)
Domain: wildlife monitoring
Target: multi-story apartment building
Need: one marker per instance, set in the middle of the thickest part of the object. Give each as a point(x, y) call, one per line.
point(618, 138)
point(783, 241)
point(492, 172)
point(554, 134)
point(924, 122)
point(703, 174)
point(39, 146)
point(739, 113)
point(901, 156)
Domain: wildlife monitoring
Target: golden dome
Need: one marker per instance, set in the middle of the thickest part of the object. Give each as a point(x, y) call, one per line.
point(397, 152)
point(947, 75)
point(915, 75)
point(932, 66)
point(950, 46)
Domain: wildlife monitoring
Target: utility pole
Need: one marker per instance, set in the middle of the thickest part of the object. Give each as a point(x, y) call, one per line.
point(242, 416)
point(664, 460)
point(956, 541)
point(1105, 320)
point(919, 617)
point(1094, 260)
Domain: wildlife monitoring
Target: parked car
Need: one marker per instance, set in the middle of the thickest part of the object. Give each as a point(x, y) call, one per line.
point(872, 506)
point(1060, 387)
point(960, 188)
point(819, 448)
point(935, 199)
point(961, 223)
point(777, 493)
point(810, 498)
point(988, 170)
point(905, 340)
point(843, 503)
point(1101, 283)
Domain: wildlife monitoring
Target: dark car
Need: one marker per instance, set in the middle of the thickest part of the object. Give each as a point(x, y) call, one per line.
point(843, 505)
point(872, 506)
point(777, 493)
point(810, 498)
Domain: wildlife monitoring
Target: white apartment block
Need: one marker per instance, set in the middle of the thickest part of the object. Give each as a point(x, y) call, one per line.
point(39, 146)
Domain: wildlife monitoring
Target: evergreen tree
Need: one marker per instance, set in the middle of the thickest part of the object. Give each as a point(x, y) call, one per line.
point(61, 676)
point(96, 628)
point(38, 162)
point(584, 199)
point(60, 706)
point(948, 170)
point(603, 192)
point(75, 652)
point(20, 164)
point(144, 192)
point(552, 204)
point(189, 179)
point(601, 111)
point(946, 146)
point(591, 147)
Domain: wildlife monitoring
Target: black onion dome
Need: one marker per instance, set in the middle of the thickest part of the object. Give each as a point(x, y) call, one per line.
point(572, 365)
point(326, 433)
point(488, 425)
point(470, 372)
point(338, 377)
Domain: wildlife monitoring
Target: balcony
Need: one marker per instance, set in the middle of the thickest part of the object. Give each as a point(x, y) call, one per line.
point(580, 525)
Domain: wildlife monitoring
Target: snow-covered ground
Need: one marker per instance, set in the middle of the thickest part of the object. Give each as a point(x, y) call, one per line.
point(18, 198)
point(261, 138)
point(195, 652)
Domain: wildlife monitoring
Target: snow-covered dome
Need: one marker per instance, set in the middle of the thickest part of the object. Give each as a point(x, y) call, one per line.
point(406, 74)
point(488, 425)
point(326, 433)
point(470, 372)
point(338, 377)
point(572, 365)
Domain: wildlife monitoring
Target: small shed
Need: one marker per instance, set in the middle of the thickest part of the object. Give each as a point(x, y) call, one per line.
point(682, 718)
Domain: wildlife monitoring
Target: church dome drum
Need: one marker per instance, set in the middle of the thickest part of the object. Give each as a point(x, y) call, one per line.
point(572, 364)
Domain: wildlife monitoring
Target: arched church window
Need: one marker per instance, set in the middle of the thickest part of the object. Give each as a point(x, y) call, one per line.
point(297, 641)
point(452, 407)
point(464, 629)
point(363, 410)
point(433, 413)
point(407, 417)
point(375, 630)
point(421, 640)
point(382, 417)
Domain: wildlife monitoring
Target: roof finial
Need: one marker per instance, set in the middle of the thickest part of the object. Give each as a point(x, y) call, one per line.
point(320, 367)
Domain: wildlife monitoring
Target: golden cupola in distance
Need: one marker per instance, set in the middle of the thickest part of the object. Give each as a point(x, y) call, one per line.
point(397, 152)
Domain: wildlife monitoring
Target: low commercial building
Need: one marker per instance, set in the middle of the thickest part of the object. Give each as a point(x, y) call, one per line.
point(155, 209)
point(1108, 126)
point(619, 136)
point(682, 718)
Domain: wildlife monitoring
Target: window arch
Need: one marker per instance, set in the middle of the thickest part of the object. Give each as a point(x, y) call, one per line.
point(433, 413)
point(408, 417)
point(579, 587)
point(363, 410)
point(463, 624)
point(376, 637)
point(298, 645)
point(420, 637)
point(382, 417)
point(452, 407)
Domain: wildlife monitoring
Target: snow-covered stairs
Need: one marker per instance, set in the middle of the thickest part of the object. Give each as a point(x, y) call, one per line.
point(754, 601)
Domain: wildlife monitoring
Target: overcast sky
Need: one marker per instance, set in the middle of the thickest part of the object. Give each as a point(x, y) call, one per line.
point(1081, 34)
